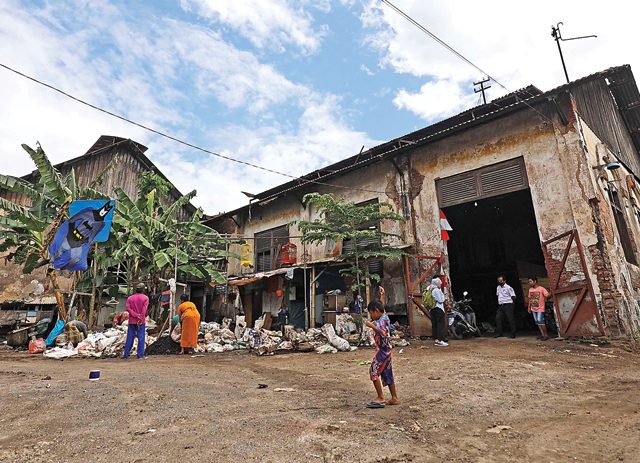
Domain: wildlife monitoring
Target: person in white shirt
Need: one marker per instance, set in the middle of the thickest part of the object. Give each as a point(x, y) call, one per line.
point(506, 297)
point(438, 315)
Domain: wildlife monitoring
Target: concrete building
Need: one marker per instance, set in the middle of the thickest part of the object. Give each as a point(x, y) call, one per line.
point(543, 183)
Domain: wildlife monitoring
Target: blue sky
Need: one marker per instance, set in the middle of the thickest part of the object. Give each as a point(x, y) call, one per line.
point(291, 85)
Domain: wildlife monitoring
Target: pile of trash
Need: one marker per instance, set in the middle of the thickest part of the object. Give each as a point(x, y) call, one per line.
point(75, 340)
point(72, 339)
point(217, 338)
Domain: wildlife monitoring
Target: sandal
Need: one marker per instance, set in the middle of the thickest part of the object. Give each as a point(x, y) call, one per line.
point(374, 404)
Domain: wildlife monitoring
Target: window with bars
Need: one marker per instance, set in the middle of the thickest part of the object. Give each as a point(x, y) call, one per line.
point(348, 244)
point(268, 248)
point(623, 228)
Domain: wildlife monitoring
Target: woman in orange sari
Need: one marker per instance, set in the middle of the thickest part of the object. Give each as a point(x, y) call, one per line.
point(189, 323)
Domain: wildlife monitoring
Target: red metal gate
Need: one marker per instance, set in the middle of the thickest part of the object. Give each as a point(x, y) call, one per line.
point(414, 296)
point(574, 301)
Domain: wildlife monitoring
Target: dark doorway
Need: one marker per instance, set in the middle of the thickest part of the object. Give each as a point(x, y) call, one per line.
point(490, 237)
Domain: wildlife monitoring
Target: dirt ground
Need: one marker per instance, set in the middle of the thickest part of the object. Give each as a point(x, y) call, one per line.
point(555, 401)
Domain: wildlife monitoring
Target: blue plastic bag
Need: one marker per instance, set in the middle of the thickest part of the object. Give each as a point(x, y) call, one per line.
point(55, 332)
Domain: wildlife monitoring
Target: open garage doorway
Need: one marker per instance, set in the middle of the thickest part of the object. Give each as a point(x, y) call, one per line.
point(495, 233)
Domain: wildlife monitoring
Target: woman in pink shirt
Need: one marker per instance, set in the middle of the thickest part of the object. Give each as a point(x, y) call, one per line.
point(537, 297)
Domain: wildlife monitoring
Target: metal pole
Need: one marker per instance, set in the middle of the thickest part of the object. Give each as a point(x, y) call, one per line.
point(226, 272)
point(555, 33)
point(92, 304)
point(304, 270)
point(173, 294)
point(557, 36)
point(312, 322)
point(226, 280)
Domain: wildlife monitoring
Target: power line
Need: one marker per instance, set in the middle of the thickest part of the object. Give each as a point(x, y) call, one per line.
point(175, 139)
point(455, 52)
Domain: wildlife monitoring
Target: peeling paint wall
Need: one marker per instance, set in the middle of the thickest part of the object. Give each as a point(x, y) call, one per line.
point(559, 153)
point(617, 280)
point(289, 209)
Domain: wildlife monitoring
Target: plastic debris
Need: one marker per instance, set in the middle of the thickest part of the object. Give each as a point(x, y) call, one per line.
point(345, 324)
point(326, 349)
point(218, 338)
point(59, 353)
point(335, 340)
point(37, 346)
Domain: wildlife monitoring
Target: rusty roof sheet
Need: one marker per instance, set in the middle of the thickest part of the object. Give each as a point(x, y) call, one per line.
point(108, 142)
point(515, 101)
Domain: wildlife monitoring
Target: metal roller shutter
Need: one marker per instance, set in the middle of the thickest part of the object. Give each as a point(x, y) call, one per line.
point(494, 180)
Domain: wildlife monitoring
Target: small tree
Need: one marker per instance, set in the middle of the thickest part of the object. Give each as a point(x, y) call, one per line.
point(344, 220)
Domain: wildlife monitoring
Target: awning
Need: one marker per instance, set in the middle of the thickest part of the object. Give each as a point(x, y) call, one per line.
point(247, 279)
point(41, 300)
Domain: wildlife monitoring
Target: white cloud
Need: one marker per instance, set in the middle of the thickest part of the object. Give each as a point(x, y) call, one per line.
point(266, 23)
point(156, 71)
point(515, 48)
point(364, 68)
point(435, 100)
point(234, 77)
point(321, 138)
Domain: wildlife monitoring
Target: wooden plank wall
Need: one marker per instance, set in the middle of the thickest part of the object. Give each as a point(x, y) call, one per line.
point(125, 174)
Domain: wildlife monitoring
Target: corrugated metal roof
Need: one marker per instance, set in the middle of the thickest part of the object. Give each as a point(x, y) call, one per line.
point(516, 101)
point(110, 142)
point(625, 91)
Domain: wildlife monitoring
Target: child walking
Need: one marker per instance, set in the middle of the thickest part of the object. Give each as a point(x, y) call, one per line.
point(381, 372)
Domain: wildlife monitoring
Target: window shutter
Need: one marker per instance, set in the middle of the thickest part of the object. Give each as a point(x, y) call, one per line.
point(493, 180)
point(458, 190)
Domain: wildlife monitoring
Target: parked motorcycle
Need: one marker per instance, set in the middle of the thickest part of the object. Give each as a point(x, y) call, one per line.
point(462, 319)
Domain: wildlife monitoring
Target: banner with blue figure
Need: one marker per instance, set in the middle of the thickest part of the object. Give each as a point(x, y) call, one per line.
point(89, 221)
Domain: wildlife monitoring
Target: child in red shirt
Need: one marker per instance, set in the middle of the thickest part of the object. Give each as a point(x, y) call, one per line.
point(537, 298)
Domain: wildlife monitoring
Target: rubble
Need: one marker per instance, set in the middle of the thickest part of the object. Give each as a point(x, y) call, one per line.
point(326, 349)
point(106, 344)
point(164, 345)
point(335, 340)
point(218, 338)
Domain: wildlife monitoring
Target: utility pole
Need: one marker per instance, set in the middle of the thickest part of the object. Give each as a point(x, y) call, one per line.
point(172, 287)
point(557, 36)
point(92, 304)
point(482, 88)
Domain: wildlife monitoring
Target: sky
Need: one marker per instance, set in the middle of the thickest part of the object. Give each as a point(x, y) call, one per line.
point(289, 85)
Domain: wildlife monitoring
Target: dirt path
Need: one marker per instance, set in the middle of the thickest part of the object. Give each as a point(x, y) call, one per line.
point(560, 402)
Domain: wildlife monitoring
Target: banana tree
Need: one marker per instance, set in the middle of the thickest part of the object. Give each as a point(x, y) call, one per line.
point(150, 244)
point(27, 226)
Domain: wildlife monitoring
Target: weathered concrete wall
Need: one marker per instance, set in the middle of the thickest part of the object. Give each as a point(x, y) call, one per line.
point(375, 181)
point(617, 281)
point(524, 134)
point(566, 192)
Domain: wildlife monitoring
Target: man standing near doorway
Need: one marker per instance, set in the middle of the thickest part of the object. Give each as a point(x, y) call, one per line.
point(537, 298)
point(438, 316)
point(506, 297)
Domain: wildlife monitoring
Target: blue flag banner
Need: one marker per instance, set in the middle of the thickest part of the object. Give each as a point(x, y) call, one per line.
point(90, 221)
